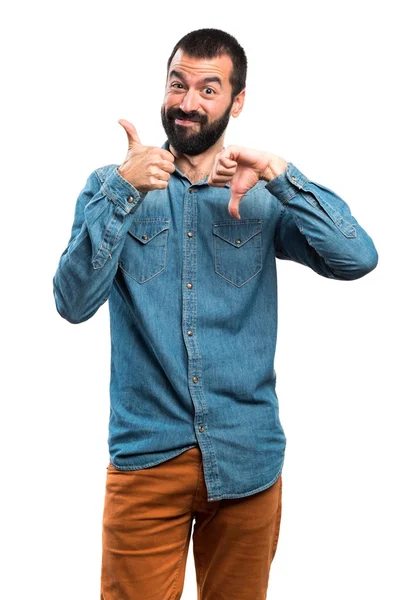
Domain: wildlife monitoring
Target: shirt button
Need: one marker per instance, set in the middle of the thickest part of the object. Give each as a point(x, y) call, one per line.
point(238, 241)
point(189, 285)
point(195, 380)
point(191, 191)
point(294, 178)
point(130, 199)
point(190, 233)
point(144, 237)
point(190, 332)
point(201, 428)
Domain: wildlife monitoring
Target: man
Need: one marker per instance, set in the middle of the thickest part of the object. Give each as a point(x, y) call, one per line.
point(194, 432)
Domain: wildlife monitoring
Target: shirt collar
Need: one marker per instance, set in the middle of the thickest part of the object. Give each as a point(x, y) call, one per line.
point(165, 146)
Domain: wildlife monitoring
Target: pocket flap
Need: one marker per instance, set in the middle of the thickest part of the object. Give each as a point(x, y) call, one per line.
point(237, 233)
point(144, 230)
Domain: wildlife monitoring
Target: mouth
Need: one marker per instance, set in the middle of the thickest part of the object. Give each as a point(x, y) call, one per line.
point(184, 122)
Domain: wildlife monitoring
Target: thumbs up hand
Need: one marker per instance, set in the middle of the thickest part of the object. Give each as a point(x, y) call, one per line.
point(243, 167)
point(145, 167)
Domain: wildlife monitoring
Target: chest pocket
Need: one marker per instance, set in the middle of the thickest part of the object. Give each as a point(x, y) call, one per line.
point(238, 250)
point(144, 254)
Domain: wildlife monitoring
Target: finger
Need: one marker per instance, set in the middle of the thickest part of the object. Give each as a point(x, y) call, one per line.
point(227, 162)
point(220, 174)
point(231, 153)
point(211, 181)
point(165, 165)
point(158, 184)
point(221, 178)
point(167, 155)
point(163, 175)
point(224, 171)
point(131, 132)
point(233, 206)
point(224, 165)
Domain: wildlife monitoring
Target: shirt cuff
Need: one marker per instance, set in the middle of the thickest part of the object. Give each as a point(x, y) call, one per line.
point(286, 185)
point(121, 192)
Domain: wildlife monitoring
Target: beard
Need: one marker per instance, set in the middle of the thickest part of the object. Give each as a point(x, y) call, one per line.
point(186, 142)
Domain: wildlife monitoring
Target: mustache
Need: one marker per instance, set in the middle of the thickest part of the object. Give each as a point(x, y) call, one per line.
point(177, 113)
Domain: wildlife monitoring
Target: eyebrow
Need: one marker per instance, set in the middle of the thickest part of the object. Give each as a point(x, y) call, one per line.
point(180, 76)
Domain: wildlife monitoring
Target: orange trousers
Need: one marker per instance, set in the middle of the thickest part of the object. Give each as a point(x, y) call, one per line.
point(147, 527)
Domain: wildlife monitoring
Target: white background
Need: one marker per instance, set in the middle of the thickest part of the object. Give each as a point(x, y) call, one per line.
point(321, 92)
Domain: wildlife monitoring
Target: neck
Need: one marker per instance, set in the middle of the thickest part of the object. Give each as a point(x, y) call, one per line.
point(197, 167)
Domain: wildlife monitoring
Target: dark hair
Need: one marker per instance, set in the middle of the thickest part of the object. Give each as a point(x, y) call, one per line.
point(209, 43)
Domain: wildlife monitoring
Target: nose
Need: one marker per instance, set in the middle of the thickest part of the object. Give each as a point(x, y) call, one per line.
point(189, 102)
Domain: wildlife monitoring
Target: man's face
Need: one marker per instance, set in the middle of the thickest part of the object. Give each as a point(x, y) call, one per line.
point(198, 102)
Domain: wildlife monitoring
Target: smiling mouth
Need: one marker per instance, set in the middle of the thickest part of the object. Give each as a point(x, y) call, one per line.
point(184, 122)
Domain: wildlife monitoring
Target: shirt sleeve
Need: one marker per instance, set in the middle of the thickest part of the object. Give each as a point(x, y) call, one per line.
point(103, 214)
point(317, 229)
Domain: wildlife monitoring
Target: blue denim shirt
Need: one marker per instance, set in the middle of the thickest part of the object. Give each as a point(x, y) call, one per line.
point(193, 311)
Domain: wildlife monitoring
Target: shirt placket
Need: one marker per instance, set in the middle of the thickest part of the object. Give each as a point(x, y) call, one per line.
point(189, 315)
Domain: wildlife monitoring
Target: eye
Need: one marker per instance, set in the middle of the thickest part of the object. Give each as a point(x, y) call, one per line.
point(207, 89)
point(176, 83)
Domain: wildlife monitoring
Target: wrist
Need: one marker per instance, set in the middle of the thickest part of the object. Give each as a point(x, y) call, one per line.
point(275, 167)
point(128, 179)
point(122, 173)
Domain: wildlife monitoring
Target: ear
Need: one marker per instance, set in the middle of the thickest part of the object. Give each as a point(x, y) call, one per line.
point(238, 103)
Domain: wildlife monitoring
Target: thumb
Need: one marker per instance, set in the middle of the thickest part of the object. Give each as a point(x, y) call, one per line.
point(233, 206)
point(131, 132)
